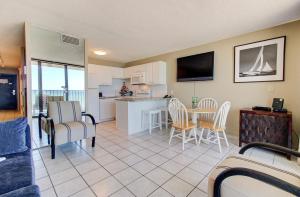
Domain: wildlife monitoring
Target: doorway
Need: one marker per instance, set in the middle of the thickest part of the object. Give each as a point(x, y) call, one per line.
point(51, 79)
point(54, 80)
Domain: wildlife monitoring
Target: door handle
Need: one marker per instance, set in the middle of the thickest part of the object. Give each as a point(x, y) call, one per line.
point(13, 92)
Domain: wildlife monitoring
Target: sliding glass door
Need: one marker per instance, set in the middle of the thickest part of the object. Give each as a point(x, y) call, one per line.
point(53, 81)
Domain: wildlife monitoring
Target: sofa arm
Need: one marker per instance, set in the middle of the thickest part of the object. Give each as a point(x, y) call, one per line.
point(276, 182)
point(271, 147)
point(90, 116)
point(28, 137)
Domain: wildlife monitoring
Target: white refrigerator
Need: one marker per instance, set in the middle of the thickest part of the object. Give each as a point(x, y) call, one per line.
point(93, 103)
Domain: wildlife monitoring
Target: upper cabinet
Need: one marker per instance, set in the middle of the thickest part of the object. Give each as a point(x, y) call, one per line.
point(159, 73)
point(155, 73)
point(99, 75)
point(117, 73)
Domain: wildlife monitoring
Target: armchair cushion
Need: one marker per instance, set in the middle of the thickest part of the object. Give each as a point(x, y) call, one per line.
point(73, 131)
point(13, 136)
point(64, 111)
point(245, 186)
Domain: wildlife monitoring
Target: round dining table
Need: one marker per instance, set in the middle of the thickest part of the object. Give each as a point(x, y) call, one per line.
point(196, 111)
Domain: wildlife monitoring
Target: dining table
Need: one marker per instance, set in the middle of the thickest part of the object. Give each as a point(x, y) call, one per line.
point(195, 111)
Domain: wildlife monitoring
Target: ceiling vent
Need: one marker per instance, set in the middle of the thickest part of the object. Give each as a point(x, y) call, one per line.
point(69, 39)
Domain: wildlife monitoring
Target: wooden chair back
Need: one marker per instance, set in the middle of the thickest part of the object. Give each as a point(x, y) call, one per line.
point(207, 104)
point(178, 113)
point(221, 116)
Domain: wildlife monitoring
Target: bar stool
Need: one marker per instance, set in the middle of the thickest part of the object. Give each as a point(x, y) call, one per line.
point(154, 118)
point(165, 111)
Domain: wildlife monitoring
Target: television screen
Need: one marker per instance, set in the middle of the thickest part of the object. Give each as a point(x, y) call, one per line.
point(198, 67)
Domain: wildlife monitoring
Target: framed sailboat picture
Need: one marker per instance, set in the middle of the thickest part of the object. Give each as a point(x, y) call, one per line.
point(260, 61)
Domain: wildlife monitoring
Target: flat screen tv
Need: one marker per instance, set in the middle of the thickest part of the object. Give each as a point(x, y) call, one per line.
point(198, 67)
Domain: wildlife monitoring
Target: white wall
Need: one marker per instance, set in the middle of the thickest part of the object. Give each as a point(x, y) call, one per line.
point(240, 94)
point(112, 90)
point(47, 45)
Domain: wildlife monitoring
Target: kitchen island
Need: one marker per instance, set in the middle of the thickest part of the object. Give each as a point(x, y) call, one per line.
point(129, 112)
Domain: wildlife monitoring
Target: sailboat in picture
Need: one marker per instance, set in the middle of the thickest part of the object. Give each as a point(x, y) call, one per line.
point(258, 67)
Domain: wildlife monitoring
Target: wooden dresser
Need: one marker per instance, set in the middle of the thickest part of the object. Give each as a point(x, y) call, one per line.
point(262, 126)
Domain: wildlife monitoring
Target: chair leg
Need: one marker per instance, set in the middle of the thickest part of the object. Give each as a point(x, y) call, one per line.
point(40, 128)
point(171, 135)
point(219, 142)
point(93, 141)
point(195, 135)
point(48, 139)
point(183, 139)
point(53, 151)
point(201, 134)
point(225, 137)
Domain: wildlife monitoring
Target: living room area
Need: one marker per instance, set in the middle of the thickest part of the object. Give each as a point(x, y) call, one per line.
point(197, 98)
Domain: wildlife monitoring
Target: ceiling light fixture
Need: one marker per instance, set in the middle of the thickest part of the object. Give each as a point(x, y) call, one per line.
point(100, 52)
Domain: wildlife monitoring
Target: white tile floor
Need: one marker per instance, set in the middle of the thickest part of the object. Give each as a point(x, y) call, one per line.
point(121, 165)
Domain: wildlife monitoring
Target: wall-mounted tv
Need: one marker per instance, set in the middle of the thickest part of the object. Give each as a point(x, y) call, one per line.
point(198, 67)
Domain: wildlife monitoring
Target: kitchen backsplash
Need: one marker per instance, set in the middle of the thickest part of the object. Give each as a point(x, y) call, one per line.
point(146, 90)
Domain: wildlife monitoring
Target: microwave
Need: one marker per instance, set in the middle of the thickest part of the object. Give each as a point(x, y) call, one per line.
point(138, 78)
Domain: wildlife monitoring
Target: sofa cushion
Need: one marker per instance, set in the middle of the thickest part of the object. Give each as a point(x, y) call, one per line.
point(73, 131)
point(12, 136)
point(29, 191)
point(16, 171)
point(246, 186)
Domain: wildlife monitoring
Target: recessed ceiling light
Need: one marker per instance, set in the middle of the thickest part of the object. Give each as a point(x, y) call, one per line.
point(100, 52)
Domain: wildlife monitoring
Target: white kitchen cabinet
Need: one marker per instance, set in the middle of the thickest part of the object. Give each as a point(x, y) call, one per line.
point(99, 75)
point(159, 73)
point(148, 69)
point(117, 73)
point(105, 75)
point(128, 72)
point(107, 109)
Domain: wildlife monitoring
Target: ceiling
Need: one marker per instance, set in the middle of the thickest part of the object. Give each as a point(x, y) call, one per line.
point(134, 29)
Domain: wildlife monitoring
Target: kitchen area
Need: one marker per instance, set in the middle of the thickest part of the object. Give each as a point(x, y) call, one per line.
point(124, 94)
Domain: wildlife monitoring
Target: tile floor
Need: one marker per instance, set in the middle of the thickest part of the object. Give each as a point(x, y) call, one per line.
point(121, 165)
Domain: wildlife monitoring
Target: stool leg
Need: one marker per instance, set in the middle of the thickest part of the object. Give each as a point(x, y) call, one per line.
point(160, 123)
point(150, 123)
point(166, 119)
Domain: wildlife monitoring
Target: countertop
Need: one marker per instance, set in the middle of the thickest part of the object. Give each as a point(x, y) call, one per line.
point(109, 97)
point(138, 99)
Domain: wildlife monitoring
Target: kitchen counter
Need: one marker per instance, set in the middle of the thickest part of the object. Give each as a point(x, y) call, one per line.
point(137, 99)
point(130, 112)
point(109, 97)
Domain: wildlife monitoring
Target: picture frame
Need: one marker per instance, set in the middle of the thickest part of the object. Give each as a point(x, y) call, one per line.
point(261, 61)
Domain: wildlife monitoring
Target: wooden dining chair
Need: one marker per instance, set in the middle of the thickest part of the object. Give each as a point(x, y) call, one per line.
point(181, 124)
point(207, 104)
point(217, 126)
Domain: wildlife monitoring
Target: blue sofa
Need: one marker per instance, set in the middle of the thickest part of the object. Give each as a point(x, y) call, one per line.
point(17, 173)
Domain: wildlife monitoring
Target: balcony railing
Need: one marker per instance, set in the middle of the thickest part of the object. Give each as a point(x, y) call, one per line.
point(74, 95)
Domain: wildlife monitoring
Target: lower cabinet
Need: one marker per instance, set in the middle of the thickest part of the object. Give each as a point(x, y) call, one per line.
point(107, 109)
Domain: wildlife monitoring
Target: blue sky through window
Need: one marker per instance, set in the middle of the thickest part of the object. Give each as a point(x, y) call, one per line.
point(53, 78)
